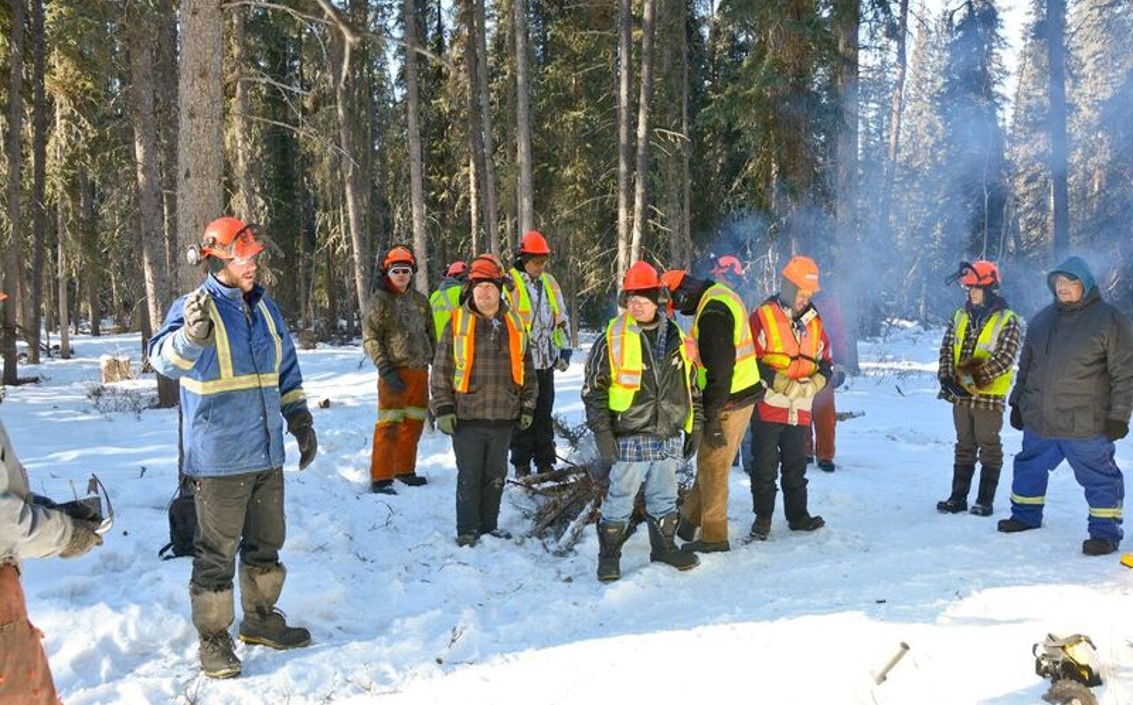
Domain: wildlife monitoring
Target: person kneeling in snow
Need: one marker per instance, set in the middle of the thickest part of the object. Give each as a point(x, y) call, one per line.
point(483, 386)
point(640, 392)
point(28, 529)
point(1072, 399)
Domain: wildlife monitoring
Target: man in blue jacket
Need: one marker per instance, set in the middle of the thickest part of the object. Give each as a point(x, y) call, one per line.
point(227, 343)
point(1072, 399)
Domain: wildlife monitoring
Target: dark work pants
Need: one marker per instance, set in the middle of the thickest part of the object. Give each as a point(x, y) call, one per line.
point(481, 469)
point(537, 443)
point(977, 431)
point(775, 445)
point(236, 513)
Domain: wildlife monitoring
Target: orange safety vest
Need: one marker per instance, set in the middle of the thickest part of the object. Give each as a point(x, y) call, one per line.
point(797, 358)
point(464, 346)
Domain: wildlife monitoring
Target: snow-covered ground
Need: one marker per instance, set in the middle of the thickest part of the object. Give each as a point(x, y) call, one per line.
point(399, 613)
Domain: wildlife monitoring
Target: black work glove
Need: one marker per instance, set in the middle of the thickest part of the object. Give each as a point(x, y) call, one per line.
point(1016, 418)
point(392, 379)
point(952, 387)
point(692, 444)
point(563, 363)
point(607, 448)
point(198, 325)
point(838, 378)
point(713, 434)
point(302, 426)
point(1115, 429)
point(83, 538)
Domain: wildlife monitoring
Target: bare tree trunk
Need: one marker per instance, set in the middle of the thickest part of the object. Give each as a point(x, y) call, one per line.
point(200, 158)
point(645, 98)
point(413, 127)
point(686, 145)
point(625, 68)
point(245, 201)
point(483, 92)
point(165, 107)
point(1056, 52)
point(61, 238)
point(848, 20)
point(39, 180)
point(525, 194)
point(895, 111)
point(88, 245)
point(340, 66)
point(139, 29)
point(477, 184)
point(14, 263)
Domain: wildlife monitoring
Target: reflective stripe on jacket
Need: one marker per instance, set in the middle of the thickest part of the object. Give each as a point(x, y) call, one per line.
point(985, 345)
point(464, 347)
point(519, 301)
point(746, 371)
point(623, 340)
point(235, 392)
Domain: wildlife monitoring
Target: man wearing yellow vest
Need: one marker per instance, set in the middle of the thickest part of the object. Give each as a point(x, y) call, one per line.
point(536, 298)
point(794, 364)
point(483, 386)
point(977, 359)
point(728, 378)
point(446, 298)
point(640, 393)
point(398, 337)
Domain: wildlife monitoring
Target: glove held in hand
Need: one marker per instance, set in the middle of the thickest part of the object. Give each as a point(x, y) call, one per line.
point(1016, 418)
point(525, 420)
point(83, 538)
point(1115, 429)
point(301, 425)
point(198, 325)
point(447, 423)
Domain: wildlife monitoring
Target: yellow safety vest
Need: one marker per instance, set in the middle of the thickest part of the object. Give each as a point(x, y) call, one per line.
point(444, 302)
point(623, 342)
point(464, 347)
point(985, 346)
point(746, 372)
point(519, 299)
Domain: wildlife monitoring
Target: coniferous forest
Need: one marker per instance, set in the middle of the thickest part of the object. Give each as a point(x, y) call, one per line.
point(884, 138)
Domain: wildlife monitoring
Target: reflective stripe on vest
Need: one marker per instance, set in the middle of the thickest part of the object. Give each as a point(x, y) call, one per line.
point(519, 299)
point(985, 346)
point(746, 371)
point(464, 346)
point(623, 342)
point(795, 359)
point(443, 303)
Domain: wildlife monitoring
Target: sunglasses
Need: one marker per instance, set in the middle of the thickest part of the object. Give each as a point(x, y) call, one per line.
point(401, 270)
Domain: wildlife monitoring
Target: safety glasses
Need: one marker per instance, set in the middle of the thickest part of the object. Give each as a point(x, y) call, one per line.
point(401, 270)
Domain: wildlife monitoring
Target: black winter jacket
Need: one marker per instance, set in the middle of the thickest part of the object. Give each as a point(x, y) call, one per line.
point(718, 355)
point(1076, 367)
point(659, 407)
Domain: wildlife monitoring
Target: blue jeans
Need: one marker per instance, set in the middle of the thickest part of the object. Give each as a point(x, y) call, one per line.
point(1094, 468)
point(660, 477)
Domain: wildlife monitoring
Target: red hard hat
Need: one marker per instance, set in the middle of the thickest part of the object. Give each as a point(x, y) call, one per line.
point(673, 278)
point(457, 269)
point(803, 273)
point(981, 273)
point(641, 276)
point(228, 238)
point(399, 255)
point(727, 264)
point(533, 243)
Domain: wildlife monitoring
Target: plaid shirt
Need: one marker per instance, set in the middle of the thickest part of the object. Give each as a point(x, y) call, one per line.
point(645, 448)
point(1002, 358)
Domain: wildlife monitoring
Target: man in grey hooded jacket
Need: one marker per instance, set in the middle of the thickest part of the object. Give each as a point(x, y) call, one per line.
point(1072, 399)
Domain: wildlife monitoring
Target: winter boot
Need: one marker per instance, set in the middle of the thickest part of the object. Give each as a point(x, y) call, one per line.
point(412, 479)
point(809, 523)
point(263, 623)
point(382, 487)
point(611, 536)
point(760, 529)
point(702, 546)
point(1013, 526)
point(212, 615)
point(686, 530)
point(961, 483)
point(1098, 547)
point(989, 480)
point(663, 549)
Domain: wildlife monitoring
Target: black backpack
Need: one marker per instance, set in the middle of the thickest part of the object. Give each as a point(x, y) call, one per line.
point(182, 522)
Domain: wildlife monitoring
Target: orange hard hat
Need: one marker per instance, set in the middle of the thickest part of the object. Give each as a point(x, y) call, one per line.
point(486, 267)
point(727, 264)
point(457, 269)
point(534, 243)
point(673, 278)
point(3, 296)
point(981, 273)
point(641, 276)
point(803, 273)
point(399, 255)
point(229, 238)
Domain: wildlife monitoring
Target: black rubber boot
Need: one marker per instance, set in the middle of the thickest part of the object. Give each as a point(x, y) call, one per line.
point(263, 623)
point(961, 484)
point(1013, 526)
point(611, 536)
point(212, 615)
point(985, 498)
point(1098, 547)
point(663, 549)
